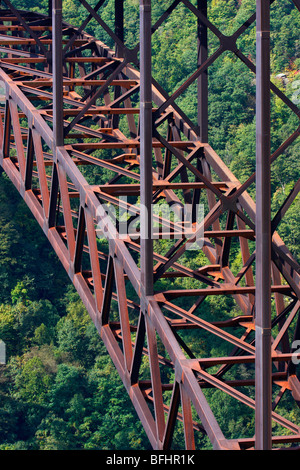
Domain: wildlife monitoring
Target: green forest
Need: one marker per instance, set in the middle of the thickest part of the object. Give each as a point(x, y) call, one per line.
point(59, 389)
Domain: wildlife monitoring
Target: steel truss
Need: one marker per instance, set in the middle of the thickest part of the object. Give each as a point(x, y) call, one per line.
point(71, 102)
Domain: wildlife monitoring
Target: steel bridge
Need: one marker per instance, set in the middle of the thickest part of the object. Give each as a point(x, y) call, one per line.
point(72, 108)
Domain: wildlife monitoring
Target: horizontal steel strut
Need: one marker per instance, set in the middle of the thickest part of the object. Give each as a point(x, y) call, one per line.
point(79, 142)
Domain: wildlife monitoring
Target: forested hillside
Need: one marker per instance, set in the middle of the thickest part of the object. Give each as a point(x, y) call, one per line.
point(59, 389)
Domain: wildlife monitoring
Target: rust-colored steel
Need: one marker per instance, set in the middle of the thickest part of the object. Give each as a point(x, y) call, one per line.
point(92, 94)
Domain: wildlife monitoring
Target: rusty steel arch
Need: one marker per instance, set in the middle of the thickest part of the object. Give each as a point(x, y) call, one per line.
point(71, 101)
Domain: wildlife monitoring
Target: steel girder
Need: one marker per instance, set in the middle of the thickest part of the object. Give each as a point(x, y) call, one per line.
point(72, 103)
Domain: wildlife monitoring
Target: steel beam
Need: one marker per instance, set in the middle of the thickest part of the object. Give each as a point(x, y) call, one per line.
point(263, 392)
point(152, 323)
point(119, 23)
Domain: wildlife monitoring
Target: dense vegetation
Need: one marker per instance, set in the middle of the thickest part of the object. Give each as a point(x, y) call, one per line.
point(59, 389)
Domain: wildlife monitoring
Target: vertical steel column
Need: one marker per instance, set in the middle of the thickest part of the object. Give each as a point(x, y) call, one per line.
point(203, 79)
point(58, 119)
point(146, 147)
point(263, 371)
point(119, 31)
point(119, 22)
